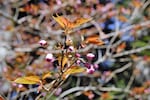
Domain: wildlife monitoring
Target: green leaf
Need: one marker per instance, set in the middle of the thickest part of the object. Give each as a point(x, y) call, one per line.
point(146, 38)
point(121, 83)
point(138, 44)
point(145, 52)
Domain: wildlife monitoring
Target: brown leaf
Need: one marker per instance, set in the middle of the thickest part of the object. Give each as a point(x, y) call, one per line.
point(66, 24)
point(94, 40)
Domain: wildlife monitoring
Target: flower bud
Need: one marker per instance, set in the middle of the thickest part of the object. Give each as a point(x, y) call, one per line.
point(20, 86)
point(87, 65)
point(91, 70)
point(90, 56)
point(78, 61)
point(49, 57)
point(96, 66)
point(42, 42)
point(77, 55)
point(71, 48)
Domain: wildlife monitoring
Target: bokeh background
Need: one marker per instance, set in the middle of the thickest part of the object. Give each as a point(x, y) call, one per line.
point(123, 61)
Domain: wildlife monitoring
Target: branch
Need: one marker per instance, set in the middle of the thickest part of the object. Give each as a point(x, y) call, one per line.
point(131, 51)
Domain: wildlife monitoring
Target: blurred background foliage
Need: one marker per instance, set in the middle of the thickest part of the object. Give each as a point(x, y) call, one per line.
point(123, 71)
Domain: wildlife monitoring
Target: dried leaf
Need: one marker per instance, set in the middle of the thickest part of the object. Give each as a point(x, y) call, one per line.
point(121, 47)
point(73, 70)
point(66, 24)
point(80, 21)
point(62, 21)
point(28, 80)
point(94, 40)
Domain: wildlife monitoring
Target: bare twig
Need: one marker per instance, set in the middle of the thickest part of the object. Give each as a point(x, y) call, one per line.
point(131, 51)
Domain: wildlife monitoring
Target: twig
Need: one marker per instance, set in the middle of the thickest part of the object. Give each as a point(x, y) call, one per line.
point(118, 71)
point(131, 51)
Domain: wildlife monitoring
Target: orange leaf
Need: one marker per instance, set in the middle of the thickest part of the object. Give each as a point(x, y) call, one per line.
point(28, 80)
point(80, 21)
point(121, 47)
point(73, 70)
point(94, 40)
point(122, 18)
point(66, 24)
point(62, 21)
point(136, 3)
point(138, 90)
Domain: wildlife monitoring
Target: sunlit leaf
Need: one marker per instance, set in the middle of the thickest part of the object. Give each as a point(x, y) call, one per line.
point(62, 61)
point(28, 80)
point(46, 75)
point(80, 21)
point(62, 21)
point(73, 70)
point(65, 23)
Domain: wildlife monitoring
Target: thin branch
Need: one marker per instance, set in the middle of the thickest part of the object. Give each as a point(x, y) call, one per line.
point(118, 71)
point(131, 51)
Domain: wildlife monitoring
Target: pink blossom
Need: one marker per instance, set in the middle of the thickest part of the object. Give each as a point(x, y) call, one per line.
point(71, 48)
point(90, 56)
point(20, 86)
point(90, 70)
point(49, 57)
point(78, 61)
point(43, 42)
point(77, 55)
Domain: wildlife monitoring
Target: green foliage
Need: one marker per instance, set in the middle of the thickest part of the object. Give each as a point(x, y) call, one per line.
point(138, 43)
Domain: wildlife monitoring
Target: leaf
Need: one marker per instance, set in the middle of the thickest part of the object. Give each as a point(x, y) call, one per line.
point(28, 80)
point(66, 24)
point(121, 47)
point(46, 75)
point(94, 40)
point(122, 18)
point(145, 52)
point(73, 70)
point(80, 21)
point(138, 44)
point(62, 61)
point(62, 21)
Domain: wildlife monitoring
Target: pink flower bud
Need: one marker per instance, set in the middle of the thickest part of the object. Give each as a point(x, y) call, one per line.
point(77, 55)
point(78, 61)
point(87, 65)
point(49, 57)
point(96, 66)
point(42, 42)
point(91, 70)
point(71, 48)
point(90, 56)
point(20, 86)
